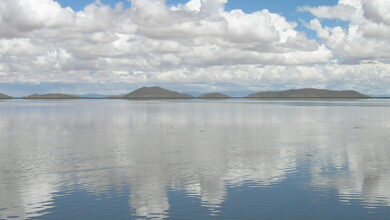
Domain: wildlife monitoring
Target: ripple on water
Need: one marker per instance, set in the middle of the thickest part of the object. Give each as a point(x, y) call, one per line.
point(184, 159)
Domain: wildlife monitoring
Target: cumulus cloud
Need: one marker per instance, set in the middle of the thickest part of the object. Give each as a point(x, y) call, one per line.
point(366, 35)
point(198, 42)
point(147, 36)
point(377, 11)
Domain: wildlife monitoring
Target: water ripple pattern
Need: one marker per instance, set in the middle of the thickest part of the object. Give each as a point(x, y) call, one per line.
point(192, 159)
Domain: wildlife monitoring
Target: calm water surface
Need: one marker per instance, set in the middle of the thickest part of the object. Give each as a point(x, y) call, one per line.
point(230, 159)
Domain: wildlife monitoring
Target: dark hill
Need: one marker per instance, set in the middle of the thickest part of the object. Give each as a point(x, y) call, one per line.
point(214, 96)
point(155, 93)
point(51, 96)
point(309, 93)
point(3, 96)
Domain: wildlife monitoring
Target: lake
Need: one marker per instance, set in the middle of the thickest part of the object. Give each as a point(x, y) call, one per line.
point(195, 159)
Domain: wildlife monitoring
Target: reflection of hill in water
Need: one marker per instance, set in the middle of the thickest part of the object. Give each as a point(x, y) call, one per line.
point(200, 148)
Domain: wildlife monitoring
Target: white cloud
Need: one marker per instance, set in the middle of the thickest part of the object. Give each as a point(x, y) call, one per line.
point(193, 5)
point(195, 43)
point(377, 11)
point(366, 35)
point(21, 16)
point(340, 11)
point(148, 36)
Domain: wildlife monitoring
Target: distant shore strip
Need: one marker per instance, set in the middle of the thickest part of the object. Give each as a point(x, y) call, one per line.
point(161, 93)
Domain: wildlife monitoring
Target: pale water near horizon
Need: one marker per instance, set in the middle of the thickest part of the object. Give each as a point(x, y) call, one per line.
point(195, 159)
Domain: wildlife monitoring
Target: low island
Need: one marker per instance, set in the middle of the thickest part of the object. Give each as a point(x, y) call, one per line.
point(309, 93)
point(51, 96)
point(153, 93)
point(214, 95)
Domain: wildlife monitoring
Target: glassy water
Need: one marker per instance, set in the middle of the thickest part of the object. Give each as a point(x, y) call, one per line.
point(230, 159)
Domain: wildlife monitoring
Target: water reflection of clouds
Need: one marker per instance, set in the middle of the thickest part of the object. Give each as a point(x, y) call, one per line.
point(26, 198)
point(359, 168)
point(200, 148)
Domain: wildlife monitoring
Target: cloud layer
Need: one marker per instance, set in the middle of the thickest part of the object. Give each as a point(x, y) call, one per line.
point(195, 43)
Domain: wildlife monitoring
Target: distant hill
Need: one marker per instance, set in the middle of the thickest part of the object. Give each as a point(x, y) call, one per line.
point(309, 93)
point(3, 96)
point(155, 93)
point(51, 96)
point(95, 96)
point(214, 95)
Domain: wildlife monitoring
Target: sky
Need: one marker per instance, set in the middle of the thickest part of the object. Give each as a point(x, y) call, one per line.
point(114, 47)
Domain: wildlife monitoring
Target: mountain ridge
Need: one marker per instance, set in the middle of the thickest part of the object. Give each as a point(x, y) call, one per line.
point(161, 93)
